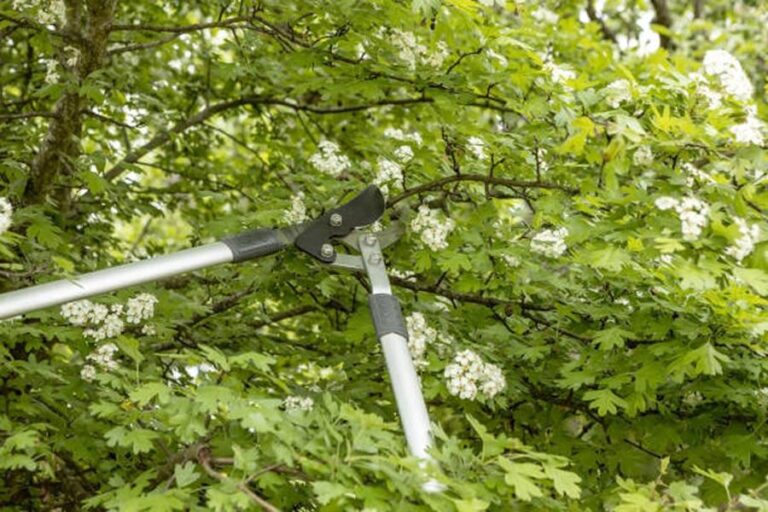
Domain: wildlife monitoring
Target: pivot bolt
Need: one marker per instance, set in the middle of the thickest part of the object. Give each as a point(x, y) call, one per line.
point(370, 239)
point(375, 258)
point(326, 250)
point(336, 220)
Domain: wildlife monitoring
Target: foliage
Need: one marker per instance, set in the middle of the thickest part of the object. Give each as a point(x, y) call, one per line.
point(585, 213)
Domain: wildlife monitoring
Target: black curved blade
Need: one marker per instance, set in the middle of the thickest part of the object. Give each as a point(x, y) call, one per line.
point(364, 209)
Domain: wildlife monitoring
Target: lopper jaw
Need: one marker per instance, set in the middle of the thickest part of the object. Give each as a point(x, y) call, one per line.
point(345, 225)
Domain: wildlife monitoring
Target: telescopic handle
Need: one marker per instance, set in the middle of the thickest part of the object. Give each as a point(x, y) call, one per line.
point(248, 245)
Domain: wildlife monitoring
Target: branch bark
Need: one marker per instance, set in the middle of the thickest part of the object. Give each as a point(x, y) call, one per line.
point(607, 32)
point(663, 18)
point(480, 178)
point(204, 458)
point(91, 22)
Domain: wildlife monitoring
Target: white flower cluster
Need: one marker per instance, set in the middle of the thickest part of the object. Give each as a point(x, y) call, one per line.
point(477, 147)
point(105, 322)
point(694, 173)
point(402, 136)
point(388, 172)
point(56, 13)
point(412, 52)
point(140, 307)
point(544, 15)
point(432, 227)
point(557, 73)
point(329, 159)
point(51, 74)
point(744, 245)
point(420, 334)
point(6, 212)
point(298, 211)
point(751, 130)
point(103, 357)
point(298, 403)
point(550, 242)
point(731, 75)
point(404, 154)
point(617, 92)
point(643, 156)
point(693, 213)
point(468, 374)
point(541, 155)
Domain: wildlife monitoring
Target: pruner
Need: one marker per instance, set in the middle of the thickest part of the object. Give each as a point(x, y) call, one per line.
point(343, 225)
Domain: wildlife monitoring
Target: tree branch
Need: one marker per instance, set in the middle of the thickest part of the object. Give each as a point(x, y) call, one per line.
point(463, 297)
point(491, 180)
point(607, 32)
point(204, 458)
point(26, 115)
point(663, 18)
point(118, 27)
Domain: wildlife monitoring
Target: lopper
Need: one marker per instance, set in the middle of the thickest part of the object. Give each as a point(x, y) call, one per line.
point(344, 224)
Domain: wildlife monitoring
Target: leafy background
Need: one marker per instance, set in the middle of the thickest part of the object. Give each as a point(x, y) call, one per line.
point(634, 362)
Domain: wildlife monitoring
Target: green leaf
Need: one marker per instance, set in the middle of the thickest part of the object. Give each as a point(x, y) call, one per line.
point(522, 476)
point(566, 483)
point(604, 400)
point(612, 337)
point(754, 278)
point(471, 505)
point(185, 474)
point(147, 392)
point(328, 491)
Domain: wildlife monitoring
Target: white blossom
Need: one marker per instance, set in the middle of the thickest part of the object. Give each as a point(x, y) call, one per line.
point(6, 212)
point(298, 211)
point(104, 356)
point(476, 145)
point(550, 242)
point(113, 326)
point(402, 136)
point(140, 307)
point(148, 330)
point(617, 92)
point(541, 155)
point(745, 244)
point(432, 227)
point(665, 203)
point(77, 313)
point(298, 403)
point(468, 374)
point(420, 334)
point(492, 381)
point(56, 13)
point(88, 373)
point(404, 154)
point(643, 156)
point(750, 131)
point(412, 52)
point(329, 159)
point(558, 74)
point(731, 75)
point(693, 214)
point(512, 261)
point(51, 74)
point(694, 173)
point(544, 15)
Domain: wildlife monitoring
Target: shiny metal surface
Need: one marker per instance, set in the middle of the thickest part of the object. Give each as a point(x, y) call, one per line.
point(115, 278)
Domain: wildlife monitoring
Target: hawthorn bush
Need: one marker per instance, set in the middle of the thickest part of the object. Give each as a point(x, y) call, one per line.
point(583, 273)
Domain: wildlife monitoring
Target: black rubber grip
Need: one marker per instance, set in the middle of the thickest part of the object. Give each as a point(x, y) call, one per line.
point(387, 316)
point(255, 243)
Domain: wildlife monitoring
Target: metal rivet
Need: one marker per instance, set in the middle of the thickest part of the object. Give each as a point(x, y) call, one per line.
point(374, 259)
point(336, 220)
point(326, 250)
point(370, 239)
